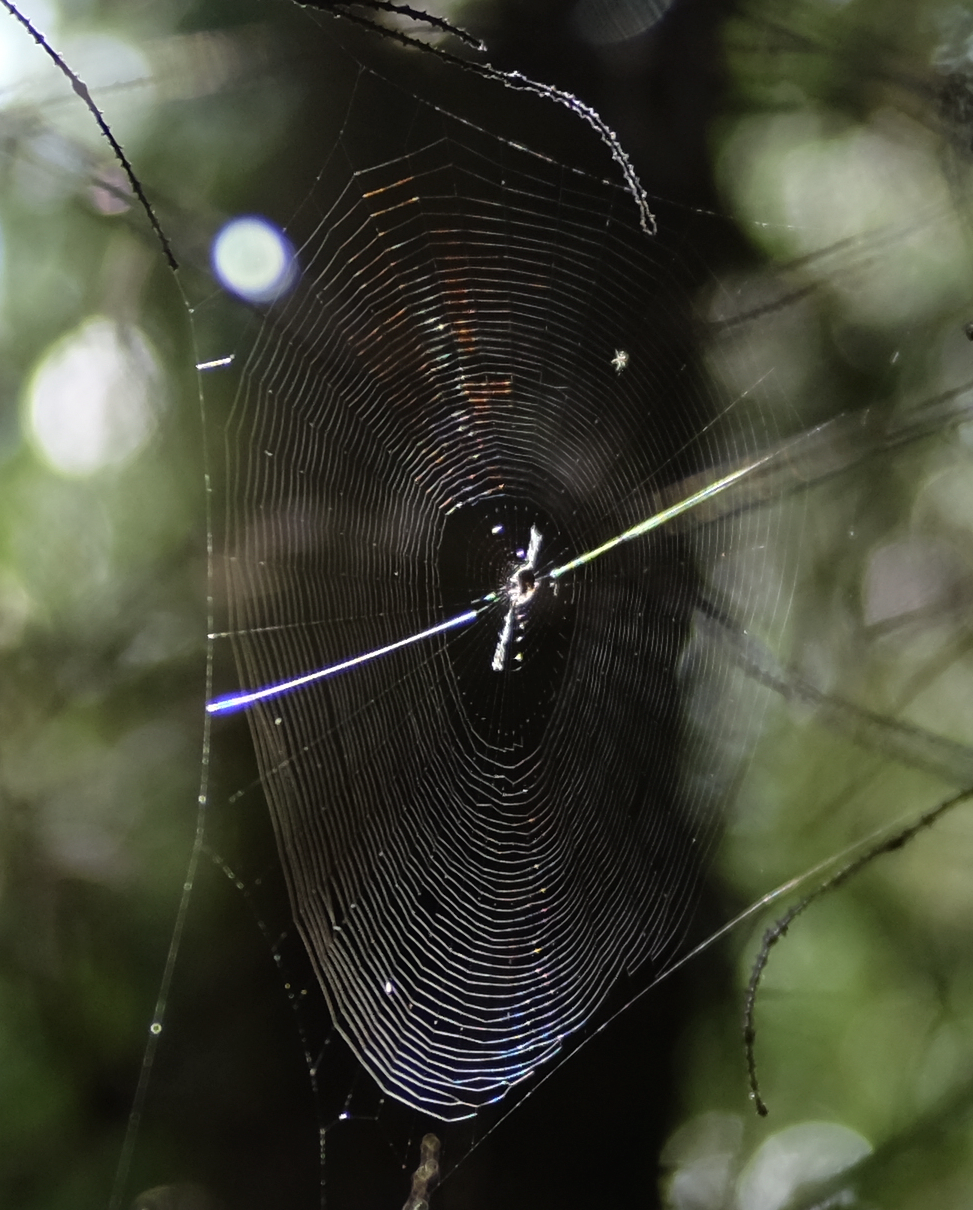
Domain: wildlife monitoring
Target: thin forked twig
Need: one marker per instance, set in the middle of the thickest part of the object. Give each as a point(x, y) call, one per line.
point(81, 89)
point(777, 930)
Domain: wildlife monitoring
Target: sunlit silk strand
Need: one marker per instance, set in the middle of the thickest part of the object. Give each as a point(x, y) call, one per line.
point(658, 519)
point(240, 701)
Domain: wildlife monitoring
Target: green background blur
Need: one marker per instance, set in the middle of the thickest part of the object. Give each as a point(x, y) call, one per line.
point(835, 139)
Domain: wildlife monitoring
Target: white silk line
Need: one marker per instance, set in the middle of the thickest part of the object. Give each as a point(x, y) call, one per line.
point(658, 519)
point(240, 701)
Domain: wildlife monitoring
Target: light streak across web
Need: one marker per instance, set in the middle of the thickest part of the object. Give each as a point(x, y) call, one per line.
point(819, 452)
point(240, 701)
point(660, 518)
point(807, 449)
point(243, 700)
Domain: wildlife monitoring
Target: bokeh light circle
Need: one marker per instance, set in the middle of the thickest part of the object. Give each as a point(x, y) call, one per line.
point(254, 259)
point(93, 399)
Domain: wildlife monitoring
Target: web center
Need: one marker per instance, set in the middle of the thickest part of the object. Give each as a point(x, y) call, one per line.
point(521, 586)
point(518, 590)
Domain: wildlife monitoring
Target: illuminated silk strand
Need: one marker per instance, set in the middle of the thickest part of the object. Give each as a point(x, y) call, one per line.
point(660, 518)
point(951, 409)
point(240, 701)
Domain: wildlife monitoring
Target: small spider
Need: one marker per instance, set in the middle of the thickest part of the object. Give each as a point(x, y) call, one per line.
point(620, 360)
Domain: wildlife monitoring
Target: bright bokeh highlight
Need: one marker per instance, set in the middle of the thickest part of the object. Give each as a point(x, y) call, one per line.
point(20, 58)
point(606, 22)
point(798, 1155)
point(254, 260)
point(866, 208)
point(93, 399)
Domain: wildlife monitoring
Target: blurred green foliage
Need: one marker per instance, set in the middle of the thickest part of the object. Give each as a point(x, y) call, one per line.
point(103, 555)
point(840, 153)
point(840, 146)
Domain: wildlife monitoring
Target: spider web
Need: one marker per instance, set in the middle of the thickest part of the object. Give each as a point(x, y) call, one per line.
point(440, 383)
point(502, 852)
point(482, 866)
point(485, 857)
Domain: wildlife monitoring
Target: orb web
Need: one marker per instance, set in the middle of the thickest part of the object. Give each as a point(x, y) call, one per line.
point(526, 557)
point(485, 404)
point(483, 831)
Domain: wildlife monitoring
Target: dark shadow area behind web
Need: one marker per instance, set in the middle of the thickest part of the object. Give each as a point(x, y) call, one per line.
point(349, 1138)
point(444, 1193)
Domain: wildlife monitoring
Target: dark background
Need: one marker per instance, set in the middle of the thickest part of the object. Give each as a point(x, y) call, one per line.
point(866, 1017)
